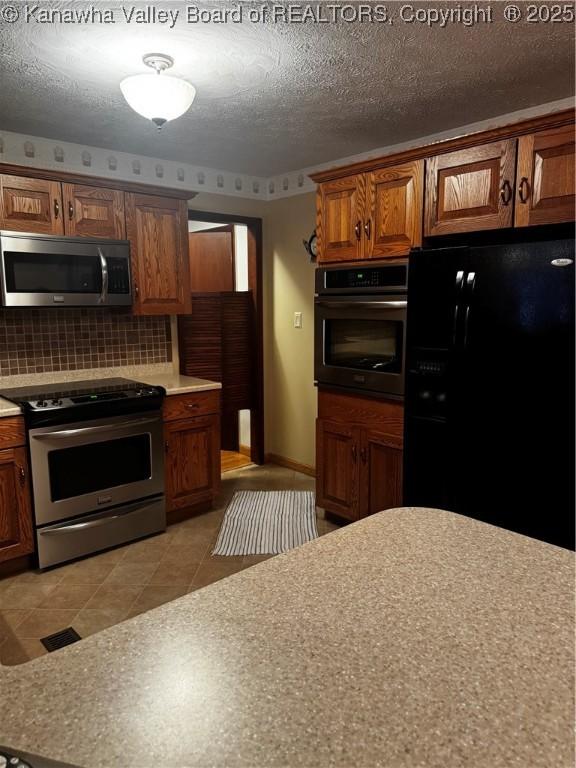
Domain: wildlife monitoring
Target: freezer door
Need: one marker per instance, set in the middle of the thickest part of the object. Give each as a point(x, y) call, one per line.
point(514, 389)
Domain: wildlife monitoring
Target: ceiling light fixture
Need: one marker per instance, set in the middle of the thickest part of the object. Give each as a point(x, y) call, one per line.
point(156, 96)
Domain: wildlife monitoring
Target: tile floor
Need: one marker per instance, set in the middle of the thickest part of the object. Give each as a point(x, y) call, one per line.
point(104, 589)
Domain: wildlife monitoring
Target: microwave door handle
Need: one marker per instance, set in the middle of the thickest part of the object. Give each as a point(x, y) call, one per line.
point(104, 268)
point(61, 434)
point(362, 304)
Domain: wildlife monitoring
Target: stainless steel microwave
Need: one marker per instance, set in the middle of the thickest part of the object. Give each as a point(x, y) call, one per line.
point(55, 271)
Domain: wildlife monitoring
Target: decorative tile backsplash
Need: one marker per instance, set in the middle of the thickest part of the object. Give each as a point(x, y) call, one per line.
point(41, 340)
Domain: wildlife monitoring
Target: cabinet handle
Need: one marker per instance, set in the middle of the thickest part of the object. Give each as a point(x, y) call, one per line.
point(70, 210)
point(357, 229)
point(136, 290)
point(166, 446)
point(354, 453)
point(506, 192)
point(524, 190)
point(363, 455)
point(192, 405)
point(21, 474)
point(56, 208)
point(368, 228)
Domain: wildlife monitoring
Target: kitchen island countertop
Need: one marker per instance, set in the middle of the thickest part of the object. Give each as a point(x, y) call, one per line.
point(415, 637)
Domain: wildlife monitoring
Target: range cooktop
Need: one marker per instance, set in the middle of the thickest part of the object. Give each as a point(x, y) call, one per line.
point(93, 398)
point(70, 394)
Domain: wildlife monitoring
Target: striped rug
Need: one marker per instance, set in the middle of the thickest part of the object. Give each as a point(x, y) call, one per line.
point(267, 522)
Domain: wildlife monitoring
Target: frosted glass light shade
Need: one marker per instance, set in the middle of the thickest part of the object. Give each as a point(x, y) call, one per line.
point(158, 97)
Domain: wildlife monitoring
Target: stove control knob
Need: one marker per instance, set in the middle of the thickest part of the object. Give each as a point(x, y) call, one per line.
point(41, 404)
point(56, 401)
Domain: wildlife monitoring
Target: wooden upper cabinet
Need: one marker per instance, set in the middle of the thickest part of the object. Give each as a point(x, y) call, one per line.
point(157, 228)
point(31, 205)
point(393, 219)
point(340, 218)
point(545, 178)
point(470, 190)
point(93, 211)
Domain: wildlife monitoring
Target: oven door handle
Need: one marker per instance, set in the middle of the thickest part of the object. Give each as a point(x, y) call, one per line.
point(362, 304)
point(67, 528)
point(92, 430)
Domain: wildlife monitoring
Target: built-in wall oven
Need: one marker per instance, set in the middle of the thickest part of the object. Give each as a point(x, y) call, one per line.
point(97, 464)
point(360, 328)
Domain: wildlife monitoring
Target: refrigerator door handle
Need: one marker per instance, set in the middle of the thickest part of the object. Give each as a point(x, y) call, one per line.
point(458, 289)
point(470, 285)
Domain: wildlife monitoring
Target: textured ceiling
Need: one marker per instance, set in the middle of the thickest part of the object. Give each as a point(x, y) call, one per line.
point(276, 97)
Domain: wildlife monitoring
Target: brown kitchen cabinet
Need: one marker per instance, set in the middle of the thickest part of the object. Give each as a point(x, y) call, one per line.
point(376, 215)
point(93, 211)
point(337, 472)
point(16, 533)
point(192, 446)
point(31, 205)
point(393, 217)
point(545, 189)
point(157, 228)
point(381, 471)
point(358, 454)
point(340, 215)
point(471, 189)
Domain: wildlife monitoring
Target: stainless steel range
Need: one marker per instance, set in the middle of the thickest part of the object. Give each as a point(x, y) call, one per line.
point(97, 461)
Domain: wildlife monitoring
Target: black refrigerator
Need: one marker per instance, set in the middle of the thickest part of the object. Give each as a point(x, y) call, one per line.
point(489, 428)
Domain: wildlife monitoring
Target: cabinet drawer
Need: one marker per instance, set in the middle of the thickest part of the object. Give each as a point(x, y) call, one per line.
point(386, 416)
point(12, 432)
point(193, 404)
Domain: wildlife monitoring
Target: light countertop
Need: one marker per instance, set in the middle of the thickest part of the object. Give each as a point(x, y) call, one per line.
point(160, 375)
point(176, 384)
point(412, 638)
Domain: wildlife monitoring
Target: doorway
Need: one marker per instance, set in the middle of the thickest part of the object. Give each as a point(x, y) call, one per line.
point(222, 338)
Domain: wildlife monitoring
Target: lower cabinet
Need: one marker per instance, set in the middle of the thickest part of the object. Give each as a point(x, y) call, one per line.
point(192, 446)
point(16, 533)
point(358, 454)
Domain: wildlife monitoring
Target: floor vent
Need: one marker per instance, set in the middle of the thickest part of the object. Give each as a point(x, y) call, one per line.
point(60, 639)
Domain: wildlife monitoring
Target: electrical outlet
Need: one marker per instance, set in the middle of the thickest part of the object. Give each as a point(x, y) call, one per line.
point(297, 319)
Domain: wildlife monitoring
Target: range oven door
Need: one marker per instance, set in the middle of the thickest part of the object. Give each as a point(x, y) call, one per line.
point(84, 467)
point(359, 342)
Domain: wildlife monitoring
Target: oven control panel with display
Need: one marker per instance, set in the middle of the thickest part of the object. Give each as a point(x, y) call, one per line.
point(389, 279)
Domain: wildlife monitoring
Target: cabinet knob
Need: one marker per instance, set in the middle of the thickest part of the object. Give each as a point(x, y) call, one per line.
point(56, 208)
point(70, 210)
point(21, 474)
point(166, 446)
point(506, 192)
point(136, 290)
point(524, 190)
point(357, 229)
point(363, 455)
point(192, 405)
point(368, 228)
point(354, 453)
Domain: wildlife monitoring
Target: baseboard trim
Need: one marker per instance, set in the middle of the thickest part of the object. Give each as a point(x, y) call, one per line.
point(177, 515)
point(245, 450)
point(282, 461)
